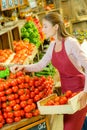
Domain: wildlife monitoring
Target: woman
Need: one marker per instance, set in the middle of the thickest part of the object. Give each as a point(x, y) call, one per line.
point(67, 56)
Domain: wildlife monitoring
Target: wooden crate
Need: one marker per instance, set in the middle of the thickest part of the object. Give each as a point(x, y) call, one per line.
point(27, 123)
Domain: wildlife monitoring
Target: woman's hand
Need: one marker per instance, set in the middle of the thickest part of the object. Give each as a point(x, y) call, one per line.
point(17, 68)
point(83, 99)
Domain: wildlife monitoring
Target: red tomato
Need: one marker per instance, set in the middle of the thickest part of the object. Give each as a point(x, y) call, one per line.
point(12, 103)
point(9, 120)
point(17, 119)
point(68, 93)
point(36, 112)
point(1, 118)
point(1, 124)
point(36, 91)
point(19, 73)
point(15, 89)
point(14, 82)
point(11, 97)
point(2, 93)
point(20, 91)
point(10, 114)
point(8, 109)
point(1, 87)
point(26, 78)
point(16, 107)
point(57, 99)
point(28, 115)
point(8, 91)
point(22, 113)
point(36, 98)
point(3, 99)
point(27, 108)
point(3, 105)
point(17, 113)
point(29, 101)
point(23, 104)
point(63, 100)
point(23, 97)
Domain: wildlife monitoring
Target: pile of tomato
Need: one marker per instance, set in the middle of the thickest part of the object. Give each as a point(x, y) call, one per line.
point(62, 99)
point(19, 94)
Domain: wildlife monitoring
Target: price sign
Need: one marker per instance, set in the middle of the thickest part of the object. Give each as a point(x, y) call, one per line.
point(38, 125)
point(41, 126)
point(33, 3)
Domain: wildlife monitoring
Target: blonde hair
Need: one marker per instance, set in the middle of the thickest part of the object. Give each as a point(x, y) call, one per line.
point(55, 18)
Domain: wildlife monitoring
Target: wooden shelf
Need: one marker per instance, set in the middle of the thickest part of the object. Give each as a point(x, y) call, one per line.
point(22, 123)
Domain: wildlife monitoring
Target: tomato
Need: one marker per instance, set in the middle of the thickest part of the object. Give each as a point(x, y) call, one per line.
point(16, 107)
point(29, 101)
point(3, 105)
point(14, 82)
point(1, 118)
point(50, 102)
point(12, 103)
point(28, 115)
point(17, 113)
point(63, 100)
point(2, 93)
point(20, 91)
point(10, 114)
point(26, 85)
point(11, 97)
point(3, 99)
point(15, 89)
point(23, 104)
point(32, 94)
point(19, 73)
point(36, 112)
point(1, 87)
point(22, 113)
point(74, 94)
point(17, 101)
point(5, 115)
point(8, 91)
point(1, 124)
point(9, 120)
point(21, 86)
point(27, 108)
point(15, 95)
point(68, 93)
point(36, 98)
point(33, 106)
point(26, 78)
point(36, 91)
point(17, 119)
point(57, 99)
point(23, 97)
point(8, 109)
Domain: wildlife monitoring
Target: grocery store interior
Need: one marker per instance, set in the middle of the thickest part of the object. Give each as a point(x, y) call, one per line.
point(24, 96)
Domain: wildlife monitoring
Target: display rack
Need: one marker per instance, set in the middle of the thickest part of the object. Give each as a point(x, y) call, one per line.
point(11, 4)
point(29, 124)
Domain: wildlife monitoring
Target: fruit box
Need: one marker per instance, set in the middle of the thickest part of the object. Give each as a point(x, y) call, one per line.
point(71, 107)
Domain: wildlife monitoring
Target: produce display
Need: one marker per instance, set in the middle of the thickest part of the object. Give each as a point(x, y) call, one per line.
point(19, 94)
point(5, 54)
point(22, 51)
point(63, 99)
point(80, 35)
point(67, 103)
point(48, 70)
point(32, 31)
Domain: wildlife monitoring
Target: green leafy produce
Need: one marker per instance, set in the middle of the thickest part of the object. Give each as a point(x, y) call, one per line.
point(30, 31)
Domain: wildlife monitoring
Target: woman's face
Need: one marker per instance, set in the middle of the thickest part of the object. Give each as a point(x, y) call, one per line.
point(48, 29)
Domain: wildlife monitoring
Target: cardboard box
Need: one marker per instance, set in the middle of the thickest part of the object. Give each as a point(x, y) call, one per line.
point(71, 107)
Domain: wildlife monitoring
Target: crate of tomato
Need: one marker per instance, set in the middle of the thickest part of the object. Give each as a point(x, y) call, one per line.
point(64, 104)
